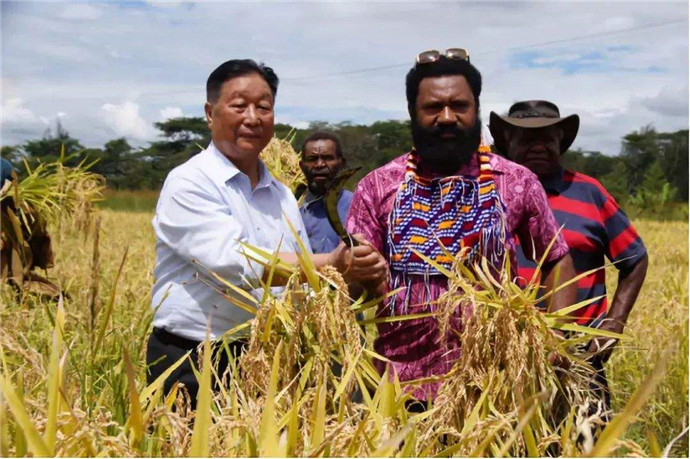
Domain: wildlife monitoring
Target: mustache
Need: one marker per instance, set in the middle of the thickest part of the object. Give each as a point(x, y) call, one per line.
point(443, 153)
point(320, 171)
point(441, 130)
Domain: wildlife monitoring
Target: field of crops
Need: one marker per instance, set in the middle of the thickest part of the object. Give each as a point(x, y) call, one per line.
point(82, 392)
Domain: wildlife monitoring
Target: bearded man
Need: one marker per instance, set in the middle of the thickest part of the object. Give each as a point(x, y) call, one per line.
point(321, 160)
point(445, 189)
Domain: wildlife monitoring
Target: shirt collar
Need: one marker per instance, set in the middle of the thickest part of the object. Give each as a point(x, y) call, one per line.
point(222, 169)
point(310, 197)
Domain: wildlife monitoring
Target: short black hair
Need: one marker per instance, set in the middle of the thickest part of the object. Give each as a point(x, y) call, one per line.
point(324, 135)
point(443, 66)
point(235, 68)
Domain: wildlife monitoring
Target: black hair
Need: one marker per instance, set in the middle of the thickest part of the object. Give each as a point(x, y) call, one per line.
point(235, 68)
point(443, 66)
point(324, 135)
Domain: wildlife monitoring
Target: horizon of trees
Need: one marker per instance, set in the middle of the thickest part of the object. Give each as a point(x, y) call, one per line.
point(651, 165)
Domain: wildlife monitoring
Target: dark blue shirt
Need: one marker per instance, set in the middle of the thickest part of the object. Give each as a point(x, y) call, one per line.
point(322, 237)
point(5, 171)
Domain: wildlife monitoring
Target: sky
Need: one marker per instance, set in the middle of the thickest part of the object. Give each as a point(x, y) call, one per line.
point(111, 69)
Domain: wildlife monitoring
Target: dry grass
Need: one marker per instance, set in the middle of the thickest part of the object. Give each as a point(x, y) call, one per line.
point(73, 374)
point(96, 411)
point(659, 320)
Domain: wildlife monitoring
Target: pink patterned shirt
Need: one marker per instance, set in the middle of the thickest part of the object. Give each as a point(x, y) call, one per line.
point(414, 346)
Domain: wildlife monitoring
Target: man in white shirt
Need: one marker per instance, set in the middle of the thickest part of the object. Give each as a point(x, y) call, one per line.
point(209, 206)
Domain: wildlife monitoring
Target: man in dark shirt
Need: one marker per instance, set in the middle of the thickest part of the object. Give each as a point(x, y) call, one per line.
point(322, 158)
point(534, 135)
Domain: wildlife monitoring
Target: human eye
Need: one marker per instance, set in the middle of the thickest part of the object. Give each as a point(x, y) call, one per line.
point(237, 103)
point(461, 105)
point(431, 107)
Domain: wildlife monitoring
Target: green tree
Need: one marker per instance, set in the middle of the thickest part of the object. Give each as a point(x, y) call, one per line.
point(674, 161)
point(640, 150)
point(182, 138)
point(49, 147)
point(117, 164)
point(616, 182)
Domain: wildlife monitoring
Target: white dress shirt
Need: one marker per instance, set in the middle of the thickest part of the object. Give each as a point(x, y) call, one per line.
point(205, 208)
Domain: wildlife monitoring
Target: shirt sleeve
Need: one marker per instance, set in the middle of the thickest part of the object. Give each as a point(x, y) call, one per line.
point(539, 227)
point(362, 217)
point(297, 222)
point(624, 247)
point(197, 225)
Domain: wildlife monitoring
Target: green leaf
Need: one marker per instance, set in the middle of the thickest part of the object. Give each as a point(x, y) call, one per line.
point(202, 421)
point(34, 441)
point(616, 428)
point(135, 422)
point(55, 378)
point(268, 429)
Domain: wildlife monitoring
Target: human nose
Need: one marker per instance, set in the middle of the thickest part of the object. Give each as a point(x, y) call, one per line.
point(447, 116)
point(250, 115)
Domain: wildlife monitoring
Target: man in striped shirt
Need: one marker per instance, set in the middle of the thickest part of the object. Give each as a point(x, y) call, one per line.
point(534, 135)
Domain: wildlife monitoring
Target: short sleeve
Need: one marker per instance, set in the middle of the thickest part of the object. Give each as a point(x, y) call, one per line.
point(624, 247)
point(363, 217)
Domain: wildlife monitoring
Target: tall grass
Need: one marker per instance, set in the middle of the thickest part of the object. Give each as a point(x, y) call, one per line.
point(72, 378)
point(90, 394)
point(659, 320)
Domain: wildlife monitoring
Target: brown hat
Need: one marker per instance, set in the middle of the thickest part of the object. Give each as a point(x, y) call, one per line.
point(533, 114)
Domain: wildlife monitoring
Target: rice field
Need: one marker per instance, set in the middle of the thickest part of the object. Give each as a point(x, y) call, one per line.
point(73, 374)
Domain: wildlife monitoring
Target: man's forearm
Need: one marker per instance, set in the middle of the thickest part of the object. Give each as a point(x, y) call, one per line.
point(629, 285)
point(320, 260)
point(562, 272)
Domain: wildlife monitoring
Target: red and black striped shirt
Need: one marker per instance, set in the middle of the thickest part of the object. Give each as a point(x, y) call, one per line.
point(595, 228)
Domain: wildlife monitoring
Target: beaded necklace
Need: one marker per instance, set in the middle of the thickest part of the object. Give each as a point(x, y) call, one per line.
point(444, 218)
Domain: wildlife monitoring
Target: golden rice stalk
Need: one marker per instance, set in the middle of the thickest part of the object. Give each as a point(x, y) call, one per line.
point(283, 162)
point(53, 191)
point(504, 371)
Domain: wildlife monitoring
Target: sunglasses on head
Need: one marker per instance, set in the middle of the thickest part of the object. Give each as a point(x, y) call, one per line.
point(428, 57)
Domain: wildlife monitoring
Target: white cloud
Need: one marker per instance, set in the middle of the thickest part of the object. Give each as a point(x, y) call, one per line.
point(300, 124)
point(619, 22)
point(80, 11)
point(125, 121)
point(670, 102)
point(161, 57)
point(166, 3)
point(14, 111)
point(171, 112)
point(556, 59)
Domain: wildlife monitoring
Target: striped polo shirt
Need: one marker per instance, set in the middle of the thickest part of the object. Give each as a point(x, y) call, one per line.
point(595, 227)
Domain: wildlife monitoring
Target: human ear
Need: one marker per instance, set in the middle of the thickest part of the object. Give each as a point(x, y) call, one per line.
point(208, 110)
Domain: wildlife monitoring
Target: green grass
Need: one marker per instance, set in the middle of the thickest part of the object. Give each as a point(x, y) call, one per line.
point(130, 201)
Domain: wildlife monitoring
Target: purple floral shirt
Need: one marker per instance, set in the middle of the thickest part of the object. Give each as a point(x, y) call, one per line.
point(414, 346)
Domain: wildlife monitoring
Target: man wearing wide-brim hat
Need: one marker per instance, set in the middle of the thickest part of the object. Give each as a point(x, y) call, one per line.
point(535, 135)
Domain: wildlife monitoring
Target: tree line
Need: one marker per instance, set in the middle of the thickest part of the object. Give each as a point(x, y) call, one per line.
point(650, 170)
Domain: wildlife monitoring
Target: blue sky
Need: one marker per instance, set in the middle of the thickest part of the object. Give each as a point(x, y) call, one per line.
point(112, 69)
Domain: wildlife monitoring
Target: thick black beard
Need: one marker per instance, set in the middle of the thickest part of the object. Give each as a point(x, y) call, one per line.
point(446, 155)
